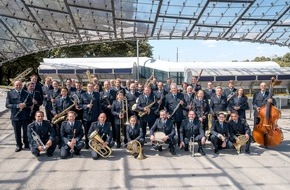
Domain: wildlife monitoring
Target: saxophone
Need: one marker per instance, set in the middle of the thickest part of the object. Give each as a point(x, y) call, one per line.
point(62, 115)
point(143, 113)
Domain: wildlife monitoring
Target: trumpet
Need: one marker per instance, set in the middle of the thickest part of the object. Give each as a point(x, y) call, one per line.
point(37, 139)
point(96, 143)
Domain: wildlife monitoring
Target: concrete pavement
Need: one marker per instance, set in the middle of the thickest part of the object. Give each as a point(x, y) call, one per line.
point(263, 169)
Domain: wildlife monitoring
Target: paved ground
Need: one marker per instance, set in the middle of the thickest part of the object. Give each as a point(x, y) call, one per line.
point(263, 169)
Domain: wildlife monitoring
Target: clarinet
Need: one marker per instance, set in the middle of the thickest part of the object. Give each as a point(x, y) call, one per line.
point(32, 107)
point(20, 110)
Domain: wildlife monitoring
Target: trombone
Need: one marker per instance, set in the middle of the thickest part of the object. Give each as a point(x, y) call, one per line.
point(123, 113)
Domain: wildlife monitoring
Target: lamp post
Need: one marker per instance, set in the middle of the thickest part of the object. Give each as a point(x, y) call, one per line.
point(137, 59)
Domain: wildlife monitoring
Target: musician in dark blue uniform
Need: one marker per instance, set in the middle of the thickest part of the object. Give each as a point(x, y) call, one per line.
point(219, 134)
point(37, 100)
point(201, 109)
point(260, 99)
point(189, 98)
point(209, 91)
point(239, 126)
point(19, 101)
point(230, 91)
point(71, 136)
point(218, 103)
point(195, 87)
point(147, 105)
point(46, 134)
point(167, 85)
point(76, 96)
point(166, 126)
point(131, 96)
point(134, 131)
point(239, 103)
point(174, 105)
point(192, 128)
point(160, 94)
point(52, 94)
point(69, 86)
point(104, 131)
point(91, 106)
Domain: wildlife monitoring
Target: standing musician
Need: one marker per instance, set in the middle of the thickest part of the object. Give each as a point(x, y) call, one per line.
point(127, 86)
point(69, 86)
point(131, 96)
point(51, 99)
point(167, 85)
point(46, 134)
point(134, 131)
point(219, 134)
point(19, 101)
point(209, 91)
point(98, 84)
point(107, 97)
point(195, 87)
point(201, 108)
point(61, 103)
point(160, 94)
point(37, 85)
point(91, 106)
point(140, 88)
point(118, 110)
point(192, 128)
point(71, 136)
point(147, 104)
point(166, 126)
point(230, 91)
point(154, 84)
point(118, 86)
point(184, 86)
point(36, 100)
point(104, 131)
point(46, 101)
point(239, 103)
point(218, 103)
point(79, 91)
point(174, 105)
point(260, 98)
point(239, 126)
point(188, 97)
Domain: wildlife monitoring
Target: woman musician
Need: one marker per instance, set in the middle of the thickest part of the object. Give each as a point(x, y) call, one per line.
point(118, 111)
point(239, 103)
point(134, 131)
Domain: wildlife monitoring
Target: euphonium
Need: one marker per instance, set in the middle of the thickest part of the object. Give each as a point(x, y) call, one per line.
point(240, 141)
point(96, 143)
point(135, 147)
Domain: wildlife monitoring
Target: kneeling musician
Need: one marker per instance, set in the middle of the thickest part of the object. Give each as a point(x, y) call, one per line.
point(192, 128)
point(102, 129)
point(219, 133)
point(240, 132)
point(41, 136)
point(165, 126)
point(71, 134)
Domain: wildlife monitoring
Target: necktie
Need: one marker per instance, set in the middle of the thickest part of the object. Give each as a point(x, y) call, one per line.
point(222, 126)
point(190, 121)
point(40, 124)
point(174, 96)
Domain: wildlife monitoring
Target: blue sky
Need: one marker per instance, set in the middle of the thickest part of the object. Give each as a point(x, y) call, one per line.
point(210, 50)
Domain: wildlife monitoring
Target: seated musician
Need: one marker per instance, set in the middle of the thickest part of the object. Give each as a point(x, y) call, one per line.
point(166, 126)
point(239, 126)
point(219, 134)
point(46, 133)
point(71, 134)
point(104, 131)
point(192, 128)
point(134, 131)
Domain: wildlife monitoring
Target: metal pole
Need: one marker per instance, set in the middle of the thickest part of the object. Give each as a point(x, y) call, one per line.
point(137, 59)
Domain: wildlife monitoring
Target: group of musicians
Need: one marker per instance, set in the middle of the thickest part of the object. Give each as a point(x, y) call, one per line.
point(122, 114)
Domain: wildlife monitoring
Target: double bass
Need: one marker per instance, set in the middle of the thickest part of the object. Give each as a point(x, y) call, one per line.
point(267, 132)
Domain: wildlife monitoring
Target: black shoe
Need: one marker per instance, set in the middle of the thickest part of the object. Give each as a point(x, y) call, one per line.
point(186, 149)
point(59, 146)
point(172, 151)
point(49, 154)
point(87, 146)
point(37, 154)
point(200, 150)
point(26, 146)
point(77, 153)
point(216, 150)
point(118, 146)
point(18, 149)
point(247, 152)
point(160, 148)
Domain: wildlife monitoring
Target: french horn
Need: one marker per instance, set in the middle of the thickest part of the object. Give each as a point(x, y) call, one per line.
point(135, 147)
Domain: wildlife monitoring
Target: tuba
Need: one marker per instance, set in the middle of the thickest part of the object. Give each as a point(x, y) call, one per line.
point(96, 143)
point(240, 141)
point(135, 147)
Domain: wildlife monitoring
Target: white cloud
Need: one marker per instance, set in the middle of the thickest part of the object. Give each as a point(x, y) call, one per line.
point(209, 43)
